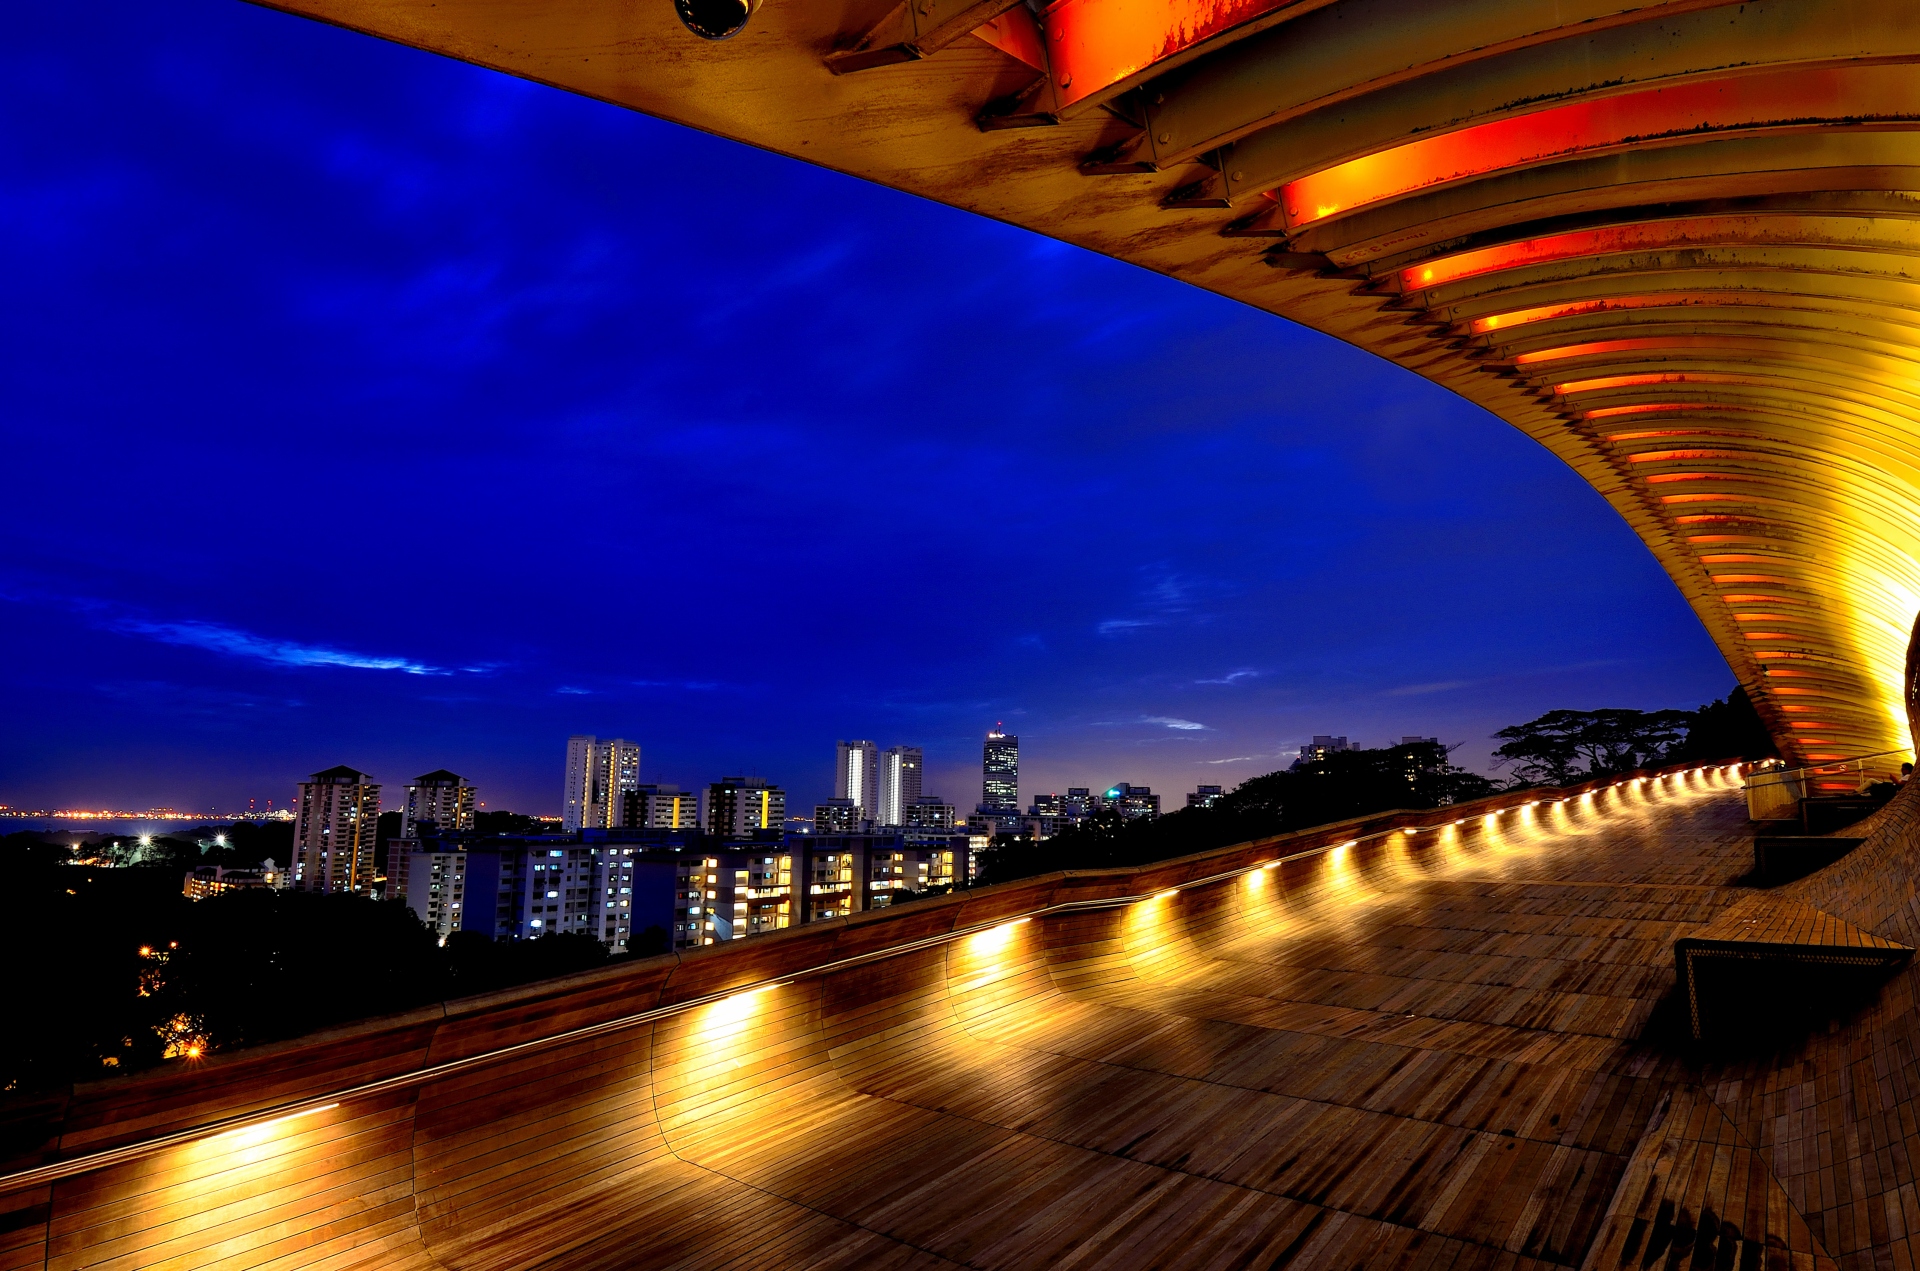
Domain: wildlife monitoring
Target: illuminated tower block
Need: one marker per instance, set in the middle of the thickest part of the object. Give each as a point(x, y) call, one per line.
point(335, 818)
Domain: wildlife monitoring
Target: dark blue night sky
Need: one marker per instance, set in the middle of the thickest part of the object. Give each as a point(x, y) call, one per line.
point(365, 407)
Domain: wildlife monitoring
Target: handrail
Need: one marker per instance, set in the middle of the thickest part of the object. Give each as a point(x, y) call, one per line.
point(88, 1162)
point(1784, 773)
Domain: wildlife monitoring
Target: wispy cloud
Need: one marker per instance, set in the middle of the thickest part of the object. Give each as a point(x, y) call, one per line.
point(1169, 721)
point(574, 691)
point(1236, 759)
point(1121, 626)
point(1233, 677)
point(233, 642)
point(217, 637)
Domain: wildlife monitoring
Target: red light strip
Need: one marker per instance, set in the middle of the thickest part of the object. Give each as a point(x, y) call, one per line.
point(1646, 379)
point(1663, 478)
point(1096, 44)
point(1668, 456)
point(1638, 344)
point(1678, 432)
point(1650, 408)
point(1657, 300)
point(1796, 97)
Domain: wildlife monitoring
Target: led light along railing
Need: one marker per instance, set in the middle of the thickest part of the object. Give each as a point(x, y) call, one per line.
point(87, 1163)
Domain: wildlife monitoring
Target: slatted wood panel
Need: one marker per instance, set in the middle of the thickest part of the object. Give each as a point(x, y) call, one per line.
point(1421, 1050)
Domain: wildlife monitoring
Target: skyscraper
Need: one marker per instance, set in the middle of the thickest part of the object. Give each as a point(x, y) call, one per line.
point(900, 775)
point(599, 773)
point(335, 818)
point(440, 797)
point(1000, 765)
point(856, 776)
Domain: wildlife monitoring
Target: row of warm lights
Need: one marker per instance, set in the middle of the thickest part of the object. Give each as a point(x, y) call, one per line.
point(733, 1007)
point(1007, 928)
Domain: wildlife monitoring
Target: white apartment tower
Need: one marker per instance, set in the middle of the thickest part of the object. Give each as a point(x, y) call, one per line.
point(440, 797)
point(335, 818)
point(900, 775)
point(856, 776)
point(599, 774)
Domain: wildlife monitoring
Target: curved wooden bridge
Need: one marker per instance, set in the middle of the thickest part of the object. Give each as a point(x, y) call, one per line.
point(1674, 242)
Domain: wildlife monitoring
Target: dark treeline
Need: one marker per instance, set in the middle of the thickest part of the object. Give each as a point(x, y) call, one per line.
point(1562, 747)
point(1344, 784)
point(233, 970)
point(1558, 748)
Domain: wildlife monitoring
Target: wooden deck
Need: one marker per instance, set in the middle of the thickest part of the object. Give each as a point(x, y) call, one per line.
point(1427, 1050)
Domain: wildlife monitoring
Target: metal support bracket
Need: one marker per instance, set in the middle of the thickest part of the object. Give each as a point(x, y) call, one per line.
point(915, 29)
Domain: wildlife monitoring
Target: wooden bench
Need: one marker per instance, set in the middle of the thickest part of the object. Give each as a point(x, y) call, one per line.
point(1769, 966)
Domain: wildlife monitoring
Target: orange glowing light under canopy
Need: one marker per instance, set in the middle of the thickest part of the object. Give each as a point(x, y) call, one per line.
point(1677, 432)
point(1791, 98)
point(1649, 408)
point(1637, 344)
point(1645, 380)
point(1503, 322)
point(1096, 44)
point(1669, 456)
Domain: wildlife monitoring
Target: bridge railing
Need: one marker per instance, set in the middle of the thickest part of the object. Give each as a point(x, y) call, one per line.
point(1774, 793)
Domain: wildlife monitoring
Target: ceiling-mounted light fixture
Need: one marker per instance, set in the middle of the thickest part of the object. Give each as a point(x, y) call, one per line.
point(715, 19)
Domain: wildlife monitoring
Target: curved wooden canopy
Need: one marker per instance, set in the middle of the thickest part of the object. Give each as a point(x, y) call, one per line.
point(1674, 241)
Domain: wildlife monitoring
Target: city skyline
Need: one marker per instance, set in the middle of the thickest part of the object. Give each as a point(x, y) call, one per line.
point(957, 774)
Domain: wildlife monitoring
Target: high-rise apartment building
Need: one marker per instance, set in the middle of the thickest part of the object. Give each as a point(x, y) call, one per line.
point(335, 819)
point(900, 775)
point(599, 773)
point(837, 816)
point(929, 812)
point(1204, 797)
point(737, 807)
point(659, 807)
point(1000, 769)
point(434, 885)
point(1131, 801)
point(440, 798)
point(856, 775)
